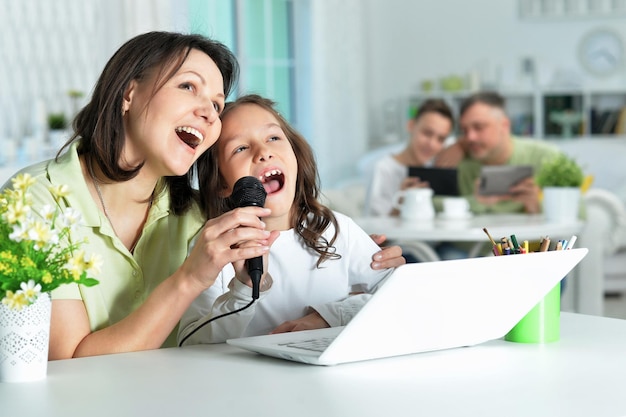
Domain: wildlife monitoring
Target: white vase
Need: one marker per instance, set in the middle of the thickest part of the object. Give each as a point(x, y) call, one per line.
point(24, 341)
point(561, 204)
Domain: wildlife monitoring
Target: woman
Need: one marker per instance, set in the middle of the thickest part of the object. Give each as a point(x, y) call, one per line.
point(154, 110)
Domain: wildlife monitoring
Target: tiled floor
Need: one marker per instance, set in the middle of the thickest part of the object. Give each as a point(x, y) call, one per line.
point(615, 305)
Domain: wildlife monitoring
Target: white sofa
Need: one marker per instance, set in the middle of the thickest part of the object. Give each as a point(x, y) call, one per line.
point(604, 268)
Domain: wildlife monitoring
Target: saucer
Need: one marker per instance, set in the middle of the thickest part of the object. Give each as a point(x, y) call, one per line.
point(464, 216)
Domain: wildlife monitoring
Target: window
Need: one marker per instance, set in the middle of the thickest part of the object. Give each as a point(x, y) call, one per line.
point(260, 34)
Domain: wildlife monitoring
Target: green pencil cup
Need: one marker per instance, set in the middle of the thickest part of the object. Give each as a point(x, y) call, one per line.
point(542, 324)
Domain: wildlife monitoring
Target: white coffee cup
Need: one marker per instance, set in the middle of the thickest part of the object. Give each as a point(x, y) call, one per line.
point(456, 208)
point(415, 203)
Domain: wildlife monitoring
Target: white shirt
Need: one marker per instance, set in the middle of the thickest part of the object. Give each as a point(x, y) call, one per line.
point(297, 286)
point(385, 182)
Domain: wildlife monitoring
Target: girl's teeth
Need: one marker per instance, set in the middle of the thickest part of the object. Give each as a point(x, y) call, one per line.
point(270, 173)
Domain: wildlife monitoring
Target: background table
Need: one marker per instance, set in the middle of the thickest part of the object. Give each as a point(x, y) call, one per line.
point(532, 227)
point(581, 375)
point(523, 226)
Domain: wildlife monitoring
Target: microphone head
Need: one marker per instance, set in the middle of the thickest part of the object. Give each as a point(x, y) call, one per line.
point(248, 191)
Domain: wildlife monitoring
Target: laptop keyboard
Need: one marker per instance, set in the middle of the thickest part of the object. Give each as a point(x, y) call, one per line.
point(316, 345)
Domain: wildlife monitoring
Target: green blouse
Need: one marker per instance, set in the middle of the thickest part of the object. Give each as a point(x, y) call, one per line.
point(126, 279)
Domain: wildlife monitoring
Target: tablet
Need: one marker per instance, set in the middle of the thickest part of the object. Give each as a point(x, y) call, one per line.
point(496, 180)
point(443, 181)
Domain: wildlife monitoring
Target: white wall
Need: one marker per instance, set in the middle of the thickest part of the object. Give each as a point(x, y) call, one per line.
point(365, 54)
point(409, 41)
point(339, 115)
point(51, 47)
point(369, 54)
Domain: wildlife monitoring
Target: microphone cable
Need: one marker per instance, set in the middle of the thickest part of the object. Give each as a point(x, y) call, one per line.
point(204, 323)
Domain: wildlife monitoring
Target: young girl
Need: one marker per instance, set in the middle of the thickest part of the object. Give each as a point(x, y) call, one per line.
point(318, 274)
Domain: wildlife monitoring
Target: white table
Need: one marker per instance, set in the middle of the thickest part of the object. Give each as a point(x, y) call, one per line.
point(523, 226)
point(581, 375)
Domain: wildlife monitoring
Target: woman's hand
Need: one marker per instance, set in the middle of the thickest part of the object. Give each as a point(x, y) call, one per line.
point(241, 272)
point(223, 240)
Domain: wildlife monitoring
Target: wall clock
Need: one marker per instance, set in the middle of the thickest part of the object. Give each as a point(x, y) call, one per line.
point(601, 52)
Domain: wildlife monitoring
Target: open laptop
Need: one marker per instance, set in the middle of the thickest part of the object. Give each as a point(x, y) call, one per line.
point(431, 306)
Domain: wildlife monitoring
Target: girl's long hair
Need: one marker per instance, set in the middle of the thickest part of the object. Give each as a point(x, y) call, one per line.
point(308, 217)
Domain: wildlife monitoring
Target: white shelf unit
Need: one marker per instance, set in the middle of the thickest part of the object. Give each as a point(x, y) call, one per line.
point(532, 112)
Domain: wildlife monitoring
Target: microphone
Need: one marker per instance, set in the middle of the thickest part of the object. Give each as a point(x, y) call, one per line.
point(248, 191)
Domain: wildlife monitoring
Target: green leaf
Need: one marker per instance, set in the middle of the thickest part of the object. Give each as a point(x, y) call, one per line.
point(561, 171)
point(89, 282)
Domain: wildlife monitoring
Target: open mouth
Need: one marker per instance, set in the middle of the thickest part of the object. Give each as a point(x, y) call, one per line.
point(190, 136)
point(272, 181)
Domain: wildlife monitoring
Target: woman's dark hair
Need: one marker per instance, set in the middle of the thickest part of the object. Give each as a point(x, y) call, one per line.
point(435, 105)
point(99, 125)
point(308, 216)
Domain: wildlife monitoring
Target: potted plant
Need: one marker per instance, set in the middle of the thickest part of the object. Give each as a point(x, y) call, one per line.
point(561, 171)
point(57, 121)
point(560, 179)
point(32, 264)
point(57, 133)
